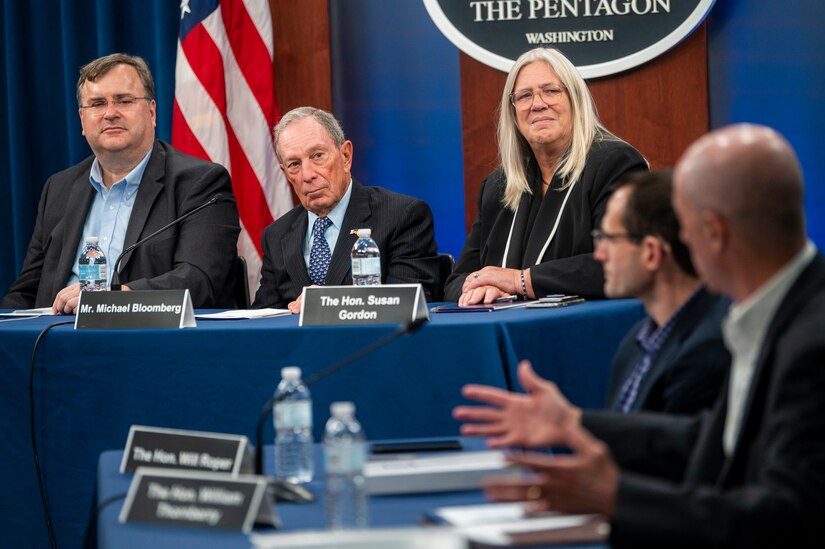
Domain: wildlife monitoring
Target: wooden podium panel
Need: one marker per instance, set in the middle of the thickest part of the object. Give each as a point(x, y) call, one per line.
point(302, 65)
point(302, 54)
point(659, 108)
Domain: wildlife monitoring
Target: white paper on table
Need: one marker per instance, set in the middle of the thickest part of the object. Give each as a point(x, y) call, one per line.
point(43, 311)
point(486, 513)
point(237, 314)
point(493, 523)
point(373, 538)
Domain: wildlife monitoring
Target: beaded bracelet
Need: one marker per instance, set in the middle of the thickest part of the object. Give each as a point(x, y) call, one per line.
point(523, 286)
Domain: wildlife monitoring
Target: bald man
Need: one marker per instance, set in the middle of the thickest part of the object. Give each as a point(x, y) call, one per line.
point(750, 474)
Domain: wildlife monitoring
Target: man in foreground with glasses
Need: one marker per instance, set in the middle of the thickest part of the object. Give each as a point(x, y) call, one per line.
point(131, 186)
point(674, 360)
point(752, 472)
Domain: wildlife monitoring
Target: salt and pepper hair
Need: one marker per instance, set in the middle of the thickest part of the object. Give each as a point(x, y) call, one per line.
point(324, 118)
point(513, 149)
point(101, 66)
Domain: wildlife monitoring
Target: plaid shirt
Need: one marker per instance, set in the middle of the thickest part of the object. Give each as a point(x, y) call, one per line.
point(650, 340)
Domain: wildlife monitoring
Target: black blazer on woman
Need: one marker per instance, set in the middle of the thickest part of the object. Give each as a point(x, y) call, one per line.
point(567, 264)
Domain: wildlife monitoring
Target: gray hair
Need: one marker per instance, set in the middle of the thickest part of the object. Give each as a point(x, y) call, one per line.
point(513, 149)
point(324, 118)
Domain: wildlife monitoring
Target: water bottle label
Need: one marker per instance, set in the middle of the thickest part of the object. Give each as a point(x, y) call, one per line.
point(346, 458)
point(88, 272)
point(92, 273)
point(293, 415)
point(366, 266)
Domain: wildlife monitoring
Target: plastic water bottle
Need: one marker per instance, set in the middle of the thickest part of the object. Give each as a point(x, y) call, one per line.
point(91, 267)
point(293, 428)
point(345, 451)
point(366, 260)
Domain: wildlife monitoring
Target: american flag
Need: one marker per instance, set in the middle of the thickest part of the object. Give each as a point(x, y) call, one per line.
point(225, 108)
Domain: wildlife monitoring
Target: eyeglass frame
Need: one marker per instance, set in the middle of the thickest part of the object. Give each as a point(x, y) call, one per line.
point(600, 236)
point(124, 102)
point(557, 90)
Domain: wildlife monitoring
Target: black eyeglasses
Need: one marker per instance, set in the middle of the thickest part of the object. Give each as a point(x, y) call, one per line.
point(600, 236)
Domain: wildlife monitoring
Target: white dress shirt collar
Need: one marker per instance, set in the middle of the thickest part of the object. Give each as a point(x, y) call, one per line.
point(744, 330)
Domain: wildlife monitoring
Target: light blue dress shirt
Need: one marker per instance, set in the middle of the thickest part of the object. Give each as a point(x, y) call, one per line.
point(109, 214)
point(336, 216)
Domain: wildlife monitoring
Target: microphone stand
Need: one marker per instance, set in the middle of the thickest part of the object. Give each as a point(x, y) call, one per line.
point(116, 285)
point(402, 330)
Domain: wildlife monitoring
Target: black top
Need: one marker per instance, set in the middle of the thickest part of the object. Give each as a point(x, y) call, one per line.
point(567, 264)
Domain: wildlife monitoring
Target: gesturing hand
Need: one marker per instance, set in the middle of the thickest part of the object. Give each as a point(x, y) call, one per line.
point(514, 419)
point(584, 482)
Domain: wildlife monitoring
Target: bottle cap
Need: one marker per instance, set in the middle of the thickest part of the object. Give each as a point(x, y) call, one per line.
point(91, 240)
point(291, 373)
point(338, 409)
point(364, 233)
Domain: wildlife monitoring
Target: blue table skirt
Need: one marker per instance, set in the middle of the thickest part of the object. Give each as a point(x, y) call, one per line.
point(90, 386)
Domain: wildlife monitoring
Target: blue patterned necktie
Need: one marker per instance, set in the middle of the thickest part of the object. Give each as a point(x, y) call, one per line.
point(319, 255)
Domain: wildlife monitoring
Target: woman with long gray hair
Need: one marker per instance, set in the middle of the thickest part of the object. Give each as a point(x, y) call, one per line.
point(531, 236)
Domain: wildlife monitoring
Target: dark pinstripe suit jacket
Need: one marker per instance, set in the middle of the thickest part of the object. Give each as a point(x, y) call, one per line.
point(402, 227)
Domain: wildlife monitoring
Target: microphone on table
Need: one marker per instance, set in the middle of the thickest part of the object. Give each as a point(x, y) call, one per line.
point(284, 489)
point(116, 285)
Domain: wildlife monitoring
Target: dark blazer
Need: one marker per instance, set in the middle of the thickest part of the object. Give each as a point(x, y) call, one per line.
point(402, 227)
point(771, 491)
point(689, 369)
point(197, 254)
point(567, 265)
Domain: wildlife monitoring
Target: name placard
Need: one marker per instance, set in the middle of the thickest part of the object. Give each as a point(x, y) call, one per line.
point(197, 499)
point(135, 309)
point(385, 304)
point(188, 450)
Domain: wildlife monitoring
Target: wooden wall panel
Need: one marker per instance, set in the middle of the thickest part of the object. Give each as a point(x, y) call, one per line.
point(481, 88)
point(659, 107)
point(302, 54)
